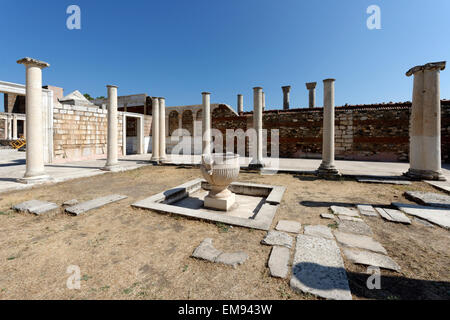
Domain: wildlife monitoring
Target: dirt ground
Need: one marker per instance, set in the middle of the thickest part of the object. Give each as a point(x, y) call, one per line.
point(128, 253)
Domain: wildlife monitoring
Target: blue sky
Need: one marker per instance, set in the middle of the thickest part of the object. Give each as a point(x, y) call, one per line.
point(179, 48)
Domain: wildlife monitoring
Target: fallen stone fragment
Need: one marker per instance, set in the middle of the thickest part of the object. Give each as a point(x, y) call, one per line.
point(36, 207)
point(359, 241)
point(344, 211)
point(356, 227)
point(383, 181)
point(423, 222)
point(206, 251)
point(441, 185)
point(70, 202)
point(279, 261)
point(289, 226)
point(318, 231)
point(439, 216)
point(232, 259)
point(371, 259)
point(393, 215)
point(367, 210)
point(429, 198)
point(327, 215)
point(318, 269)
point(94, 204)
point(277, 238)
point(347, 218)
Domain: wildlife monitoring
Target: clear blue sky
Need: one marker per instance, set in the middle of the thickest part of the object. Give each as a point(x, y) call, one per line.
point(179, 48)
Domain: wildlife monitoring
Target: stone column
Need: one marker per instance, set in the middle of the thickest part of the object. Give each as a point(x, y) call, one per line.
point(6, 129)
point(112, 148)
point(35, 171)
point(14, 125)
point(425, 123)
point(257, 161)
point(327, 168)
point(206, 123)
point(311, 86)
point(9, 128)
point(286, 102)
point(162, 129)
point(240, 104)
point(155, 131)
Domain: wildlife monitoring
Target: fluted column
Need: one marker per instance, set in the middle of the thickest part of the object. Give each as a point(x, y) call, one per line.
point(162, 129)
point(14, 127)
point(327, 168)
point(425, 123)
point(311, 86)
point(206, 123)
point(240, 104)
point(112, 148)
point(6, 129)
point(257, 161)
point(155, 130)
point(263, 101)
point(35, 170)
point(286, 100)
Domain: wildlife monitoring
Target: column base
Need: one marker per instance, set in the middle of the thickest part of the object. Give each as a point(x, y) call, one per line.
point(112, 168)
point(415, 174)
point(36, 179)
point(328, 171)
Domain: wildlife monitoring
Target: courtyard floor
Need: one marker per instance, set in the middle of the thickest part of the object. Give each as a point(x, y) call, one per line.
point(129, 253)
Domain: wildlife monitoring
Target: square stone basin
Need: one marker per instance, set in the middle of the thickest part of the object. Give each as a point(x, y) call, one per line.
point(255, 206)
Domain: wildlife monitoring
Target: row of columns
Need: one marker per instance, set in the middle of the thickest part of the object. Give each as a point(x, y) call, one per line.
point(11, 127)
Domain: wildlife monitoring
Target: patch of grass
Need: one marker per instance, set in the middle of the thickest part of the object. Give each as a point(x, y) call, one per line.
point(85, 277)
point(130, 289)
point(105, 288)
point(283, 293)
point(333, 225)
point(11, 258)
point(185, 268)
point(222, 227)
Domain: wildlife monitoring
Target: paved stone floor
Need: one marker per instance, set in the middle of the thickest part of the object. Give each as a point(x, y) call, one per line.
point(12, 166)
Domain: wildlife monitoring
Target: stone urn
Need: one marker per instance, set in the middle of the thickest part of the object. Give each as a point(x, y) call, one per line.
point(220, 170)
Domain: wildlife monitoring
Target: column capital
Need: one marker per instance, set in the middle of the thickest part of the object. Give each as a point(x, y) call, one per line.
point(257, 88)
point(311, 85)
point(161, 98)
point(329, 80)
point(203, 93)
point(286, 88)
point(33, 62)
point(429, 66)
point(111, 86)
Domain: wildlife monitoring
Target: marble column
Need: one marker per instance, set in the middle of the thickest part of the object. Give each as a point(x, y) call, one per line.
point(240, 104)
point(311, 86)
point(35, 171)
point(286, 102)
point(155, 130)
point(162, 129)
point(9, 128)
point(425, 123)
point(206, 123)
point(112, 148)
point(327, 168)
point(257, 161)
point(14, 127)
point(6, 129)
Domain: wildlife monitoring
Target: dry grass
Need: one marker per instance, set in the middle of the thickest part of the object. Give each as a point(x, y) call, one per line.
point(127, 253)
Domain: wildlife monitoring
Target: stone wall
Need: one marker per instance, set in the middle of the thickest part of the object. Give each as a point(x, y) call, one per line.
point(14, 103)
point(80, 132)
point(365, 132)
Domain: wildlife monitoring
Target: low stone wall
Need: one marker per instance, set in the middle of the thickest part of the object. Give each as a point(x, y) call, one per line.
point(80, 133)
point(365, 132)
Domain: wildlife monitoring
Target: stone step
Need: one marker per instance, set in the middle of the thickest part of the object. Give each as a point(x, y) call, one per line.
point(355, 227)
point(318, 231)
point(94, 204)
point(318, 269)
point(278, 238)
point(351, 212)
point(367, 210)
point(429, 198)
point(36, 207)
point(289, 226)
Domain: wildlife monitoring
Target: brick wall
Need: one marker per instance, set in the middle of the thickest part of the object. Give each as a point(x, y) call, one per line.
point(81, 132)
point(369, 132)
